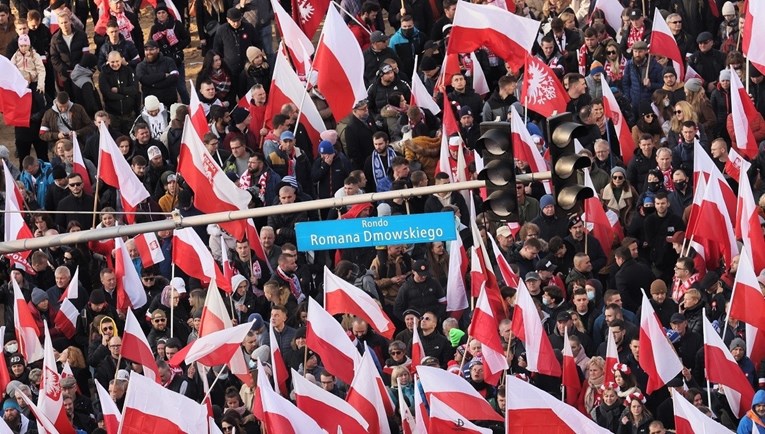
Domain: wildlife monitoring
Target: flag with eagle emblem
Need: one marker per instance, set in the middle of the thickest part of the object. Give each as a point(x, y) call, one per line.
point(308, 14)
point(541, 91)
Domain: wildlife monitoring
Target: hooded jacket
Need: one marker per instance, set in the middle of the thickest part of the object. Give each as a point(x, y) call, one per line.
point(751, 418)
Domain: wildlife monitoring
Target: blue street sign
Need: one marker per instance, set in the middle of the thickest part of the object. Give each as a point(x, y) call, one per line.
point(375, 231)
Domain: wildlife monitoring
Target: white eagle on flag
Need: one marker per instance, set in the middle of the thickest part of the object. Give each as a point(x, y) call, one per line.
point(541, 89)
point(305, 9)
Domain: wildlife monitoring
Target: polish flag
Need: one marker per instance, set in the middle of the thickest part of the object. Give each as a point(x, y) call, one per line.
point(225, 262)
point(342, 297)
point(690, 420)
point(595, 219)
point(612, 9)
point(15, 95)
point(446, 420)
point(298, 44)
point(192, 256)
point(613, 112)
point(112, 414)
point(457, 393)
point(418, 351)
point(571, 382)
point(135, 347)
point(748, 223)
point(277, 414)
point(215, 316)
point(149, 249)
point(197, 114)
point(66, 371)
point(44, 424)
point(280, 372)
point(456, 295)
point(482, 272)
point(130, 292)
point(327, 409)
point(530, 409)
point(66, 318)
point(326, 337)
point(287, 88)
point(115, 171)
point(612, 358)
point(721, 368)
point(166, 412)
point(755, 343)
point(5, 376)
point(26, 328)
point(691, 73)
point(703, 164)
point(421, 417)
point(524, 147)
point(308, 15)
point(78, 165)
point(754, 30)
point(15, 226)
point(420, 96)
point(213, 191)
point(742, 109)
point(716, 233)
point(480, 86)
point(746, 300)
point(217, 348)
point(256, 245)
point(657, 356)
point(408, 424)
point(483, 327)
point(542, 92)
point(509, 36)
point(51, 400)
point(340, 64)
point(528, 328)
point(735, 164)
point(365, 395)
point(663, 43)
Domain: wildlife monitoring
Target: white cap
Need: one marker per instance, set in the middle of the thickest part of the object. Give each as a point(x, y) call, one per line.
point(178, 284)
point(153, 152)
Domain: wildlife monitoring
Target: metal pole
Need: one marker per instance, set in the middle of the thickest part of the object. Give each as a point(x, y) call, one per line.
point(178, 222)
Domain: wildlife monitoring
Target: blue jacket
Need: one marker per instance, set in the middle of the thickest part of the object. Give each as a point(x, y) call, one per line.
point(632, 83)
point(745, 426)
point(38, 183)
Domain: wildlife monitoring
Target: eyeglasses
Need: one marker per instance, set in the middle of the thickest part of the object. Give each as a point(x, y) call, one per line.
point(611, 52)
point(227, 428)
point(160, 319)
point(680, 269)
point(75, 184)
point(676, 22)
point(395, 353)
point(148, 278)
point(107, 328)
point(678, 112)
point(617, 177)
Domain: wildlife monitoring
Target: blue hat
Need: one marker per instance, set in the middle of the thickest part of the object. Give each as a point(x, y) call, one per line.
point(258, 321)
point(546, 200)
point(11, 403)
point(325, 147)
point(287, 135)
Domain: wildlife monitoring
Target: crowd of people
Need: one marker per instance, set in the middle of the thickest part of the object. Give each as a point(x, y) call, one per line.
point(115, 74)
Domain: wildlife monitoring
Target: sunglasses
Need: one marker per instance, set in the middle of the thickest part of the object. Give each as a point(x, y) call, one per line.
point(75, 184)
point(395, 353)
point(678, 112)
point(107, 329)
point(611, 52)
point(147, 278)
point(617, 177)
point(648, 115)
point(160, 319)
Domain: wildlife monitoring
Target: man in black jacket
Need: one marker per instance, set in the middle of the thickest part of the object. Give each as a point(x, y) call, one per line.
point(172, 37)
point(658, 227)
point(64, 56)
point(232, 41)
point(77, 201)
point(632, 280)
point(358, 135)
point(158, 75)
point(420, 292)
point(119, 89)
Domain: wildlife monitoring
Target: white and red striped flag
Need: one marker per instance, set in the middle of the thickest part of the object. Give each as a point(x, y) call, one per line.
point(255, 244)
point(421, 97)
point(446, 420)
point(524, 147)
point(343, 297)
point(456, 392)
point(308, 14)
point(716, 234)
point(657, 356)
point(418, 351)
point(327, 409)
point(217, 348)
point(295, 41)
point(130, 292)
point(135, 347)
point(225, 262)
point(613, 112)
point(408, 424)
point(612, 9)
point(483, 327)
point(26, 328)
point(192, 256)
point(690, 420)
point(78, 165)
point(570, 379)
point(15, 227)
point(279, 371)
point(482, 272)
point(754, 30)
point(5, 373)
point(196, 115)
point(527, 326)
point(215, 316)
point(421, 417)
point(595, 219)
point(746, 300)
point(15, 95)
point(326, 337)
point(480, 86)
point(66, 318)
point(51, 399)
point(149, 249)
point(741, 110)
point(277, 414)
point(115, 171)
point(112, 414)
point(663, 44)
point(44, 424)
point(340, 64)
point(456, 295)
point(365, 394)
point(509, 36)
point(612, 358)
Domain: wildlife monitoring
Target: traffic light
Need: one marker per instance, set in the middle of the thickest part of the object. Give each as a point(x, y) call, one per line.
point(561, 132)
point(496, 147)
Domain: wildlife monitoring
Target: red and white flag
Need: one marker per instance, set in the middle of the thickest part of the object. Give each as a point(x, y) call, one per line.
point(524, 147)
point(44, 424)
point(755, 343)
point(26, 328)
point(15, 226)
point(192, 256)
point(326, 337)
point(613, 112)
point(277, 414)
point(115, 171)
point(657, 356)
point(528, 328)
point(612, 358)
point(135, 347)
point(716, 234)
point(456, 295)
point(166, 412)
point(327, 409)
point(541, 91)
point(455, 392)
point(571, 382)
point(421, 417)
point(595, 219)
point(509, 36)
point(754, 30)
point(51, 399)
point(748, 223)
point(483, 327)
point(197, 114)
point(742, 109)
point(343, 297)
point(213, 191)
point(287, 88)
point(340, 64)
point(217, 348)
point(15, 95)
point(296, 42)
point(735, 164)
point(279, 371)
point(149, 249)
point(365, 395)
point(418, 351)
point(5, 373)
point(721, 368)
point(480, 86)
point(255, 244)
point(746, 300)
point(78, 165)
point(481, 272)
point(215, 316)
point(530, 409)
point(408, 424)
point(663, 44)
point(446, 420)
point(225, 262)
point(612, 9)
point(690, 420)
point(421, 97)
point(66, 318)
point(703, 165)
point(112, 414)
point(308, 14)
point(130, 292)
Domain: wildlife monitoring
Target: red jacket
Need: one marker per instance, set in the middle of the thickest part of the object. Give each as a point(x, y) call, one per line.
point(361, 33)
point(757, 124)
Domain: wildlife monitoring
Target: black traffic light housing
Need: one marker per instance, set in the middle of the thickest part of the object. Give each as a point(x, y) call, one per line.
point(496, 148)
point(561, 131)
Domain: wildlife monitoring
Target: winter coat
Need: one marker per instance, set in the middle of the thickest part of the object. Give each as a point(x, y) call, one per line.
point(632, 83)
point(751, 419)
point(155, 80)
point(64, 57)
point(125, 99)
point(31, 67)
point(78, 120)
point(498, 107)
point(327, 179)
point(232, 45)
point(84, 90)
point(126, 48)
point(172, 37)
